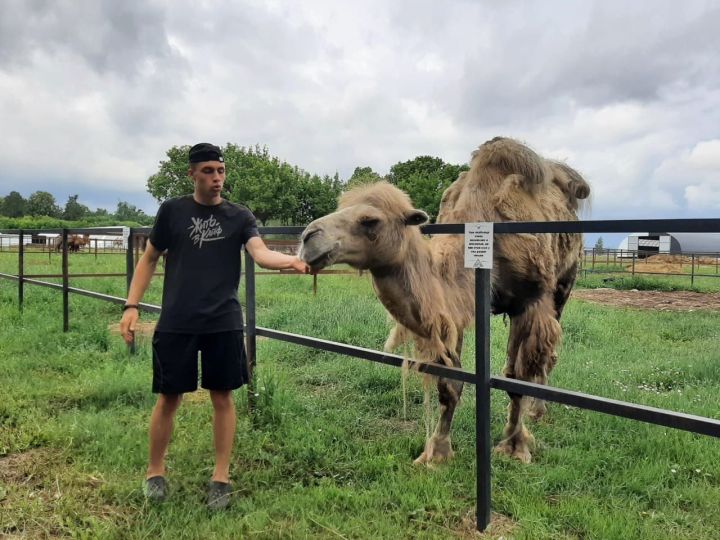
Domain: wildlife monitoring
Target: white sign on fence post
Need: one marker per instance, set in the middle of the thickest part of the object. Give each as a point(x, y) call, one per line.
point(126, 238)
point(479, 245)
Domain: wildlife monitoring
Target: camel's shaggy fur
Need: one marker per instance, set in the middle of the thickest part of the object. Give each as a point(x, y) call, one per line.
point(428, 292)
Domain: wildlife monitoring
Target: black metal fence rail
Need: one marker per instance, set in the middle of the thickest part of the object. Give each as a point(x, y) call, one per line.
point(482, 379)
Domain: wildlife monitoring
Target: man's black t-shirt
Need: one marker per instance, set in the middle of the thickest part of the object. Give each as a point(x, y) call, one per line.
point(202, 266)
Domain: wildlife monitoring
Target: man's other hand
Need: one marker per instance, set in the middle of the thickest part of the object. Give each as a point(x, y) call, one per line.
point(127, 324)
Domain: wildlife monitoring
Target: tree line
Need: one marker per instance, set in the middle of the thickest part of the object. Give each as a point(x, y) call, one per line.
point(40, 210)
point(277, 191)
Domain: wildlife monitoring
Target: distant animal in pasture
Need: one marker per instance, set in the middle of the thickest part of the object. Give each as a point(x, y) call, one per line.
point(74, 241)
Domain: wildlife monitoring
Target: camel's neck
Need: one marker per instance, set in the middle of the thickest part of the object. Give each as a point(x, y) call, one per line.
point(398, 284)
point(395, 292)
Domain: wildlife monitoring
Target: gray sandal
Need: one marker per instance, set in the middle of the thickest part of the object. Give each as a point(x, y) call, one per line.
point(218, 495)
point(156, 488)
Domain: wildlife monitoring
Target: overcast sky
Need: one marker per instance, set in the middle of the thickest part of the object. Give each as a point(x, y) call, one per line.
point(93, 92)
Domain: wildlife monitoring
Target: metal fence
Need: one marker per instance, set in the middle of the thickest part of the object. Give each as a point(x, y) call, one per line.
point(686, 264)
point(481, 378)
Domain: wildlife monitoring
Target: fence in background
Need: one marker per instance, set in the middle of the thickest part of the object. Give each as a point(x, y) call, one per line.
point(651, 263)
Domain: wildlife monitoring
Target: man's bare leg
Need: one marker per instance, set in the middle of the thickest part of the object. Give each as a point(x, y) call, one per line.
point(223, 432)
point(161, 426)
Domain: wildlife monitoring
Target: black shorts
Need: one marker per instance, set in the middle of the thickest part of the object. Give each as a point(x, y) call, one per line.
point(175, 361)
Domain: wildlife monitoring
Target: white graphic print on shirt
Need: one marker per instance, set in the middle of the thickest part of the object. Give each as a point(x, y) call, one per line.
point(205, 230)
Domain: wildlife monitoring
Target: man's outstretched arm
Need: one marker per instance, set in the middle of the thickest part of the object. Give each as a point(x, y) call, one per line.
point(274, 260)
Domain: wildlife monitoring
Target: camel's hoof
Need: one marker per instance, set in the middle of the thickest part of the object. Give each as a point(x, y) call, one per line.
point(509, 449)
point(436, 451)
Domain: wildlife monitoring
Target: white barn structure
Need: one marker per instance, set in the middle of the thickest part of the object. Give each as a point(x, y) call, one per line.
point(672, 243)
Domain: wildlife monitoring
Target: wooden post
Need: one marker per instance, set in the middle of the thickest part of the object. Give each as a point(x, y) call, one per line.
point(21, 269)
point(593, 259)
point(314, 284)
point(251, 332)
point(65, 282)
point(692, 269)
point(129, 262)
point(633, 263)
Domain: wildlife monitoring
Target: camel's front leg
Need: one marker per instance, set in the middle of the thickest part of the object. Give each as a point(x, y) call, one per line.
point(438, 447)
point(537, 408)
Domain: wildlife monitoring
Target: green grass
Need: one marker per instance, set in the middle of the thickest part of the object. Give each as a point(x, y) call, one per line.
point(328, 453)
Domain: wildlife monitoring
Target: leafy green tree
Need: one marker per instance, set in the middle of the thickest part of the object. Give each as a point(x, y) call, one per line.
point(425, 178)
point(599, 244)
point(317, 197)
point(172, 178)
point(42, 203)
point(128, 212)
point(74, 210)
point(362, 175)
point(13, 205)
point(271, 188)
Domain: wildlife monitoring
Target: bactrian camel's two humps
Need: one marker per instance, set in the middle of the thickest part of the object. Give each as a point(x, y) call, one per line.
point(426, 289)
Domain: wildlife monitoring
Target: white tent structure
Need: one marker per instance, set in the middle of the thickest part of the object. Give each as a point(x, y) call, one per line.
point(672, 243)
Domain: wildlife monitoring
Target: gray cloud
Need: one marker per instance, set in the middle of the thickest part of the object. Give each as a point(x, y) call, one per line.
point(549, 60)
point(111, 37)
point(96, 91)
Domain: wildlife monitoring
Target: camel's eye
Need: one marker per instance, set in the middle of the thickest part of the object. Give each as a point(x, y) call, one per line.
point(369, 222)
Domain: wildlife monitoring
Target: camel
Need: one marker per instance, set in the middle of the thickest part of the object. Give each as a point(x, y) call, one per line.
point(75, 242)
point(426, 289)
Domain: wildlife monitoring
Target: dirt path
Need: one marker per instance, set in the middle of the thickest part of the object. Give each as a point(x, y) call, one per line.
point(657, 300)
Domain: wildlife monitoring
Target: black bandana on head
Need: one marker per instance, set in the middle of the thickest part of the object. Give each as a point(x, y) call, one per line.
point(205, 152)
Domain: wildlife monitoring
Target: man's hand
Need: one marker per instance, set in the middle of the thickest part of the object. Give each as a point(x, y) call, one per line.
point(300, 266)
point(127, 324)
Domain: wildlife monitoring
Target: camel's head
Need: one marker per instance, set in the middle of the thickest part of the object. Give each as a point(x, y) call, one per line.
point(369, 230)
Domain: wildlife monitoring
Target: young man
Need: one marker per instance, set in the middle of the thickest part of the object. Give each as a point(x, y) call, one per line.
point(202, 235)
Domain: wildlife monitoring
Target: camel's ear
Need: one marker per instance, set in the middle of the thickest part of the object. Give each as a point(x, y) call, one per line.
point(415, 217)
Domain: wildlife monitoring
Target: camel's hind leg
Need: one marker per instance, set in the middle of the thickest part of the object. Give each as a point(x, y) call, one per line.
point(534, 335)
point(438, 447)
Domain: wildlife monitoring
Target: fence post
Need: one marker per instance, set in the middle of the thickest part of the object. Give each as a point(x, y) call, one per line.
point(129, 260)
point(692, 269)
point(65, 282)
point(633, 262)
point(593, 259)
point(482, 397)
point(251, 335)
point(21, 269)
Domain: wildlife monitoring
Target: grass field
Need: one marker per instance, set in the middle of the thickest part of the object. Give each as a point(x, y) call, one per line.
point(328, 453)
